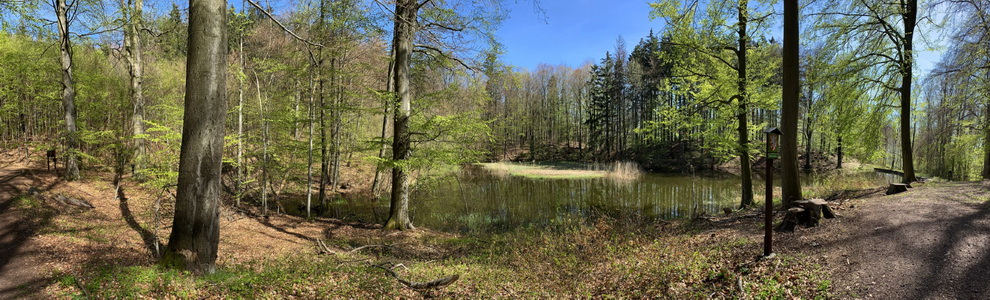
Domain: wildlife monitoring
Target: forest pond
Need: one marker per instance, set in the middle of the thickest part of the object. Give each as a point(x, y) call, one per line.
point(479, 199)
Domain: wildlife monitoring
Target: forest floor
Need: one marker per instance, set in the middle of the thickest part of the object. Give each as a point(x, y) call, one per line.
point(932, 242)
point(19, 254)
point(929, 242)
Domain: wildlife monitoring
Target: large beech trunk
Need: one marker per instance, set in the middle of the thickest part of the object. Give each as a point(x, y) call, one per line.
point(790, 183)
point(907, 154)
point(405, 29)
point(743, 125)
point(196, 227)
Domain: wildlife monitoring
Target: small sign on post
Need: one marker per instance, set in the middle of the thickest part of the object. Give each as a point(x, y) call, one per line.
point(773, 152)
point(773, 143)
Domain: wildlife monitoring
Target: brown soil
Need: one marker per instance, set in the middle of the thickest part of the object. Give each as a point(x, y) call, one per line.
point(39, 246)
point(19, 255)
point(930, 242)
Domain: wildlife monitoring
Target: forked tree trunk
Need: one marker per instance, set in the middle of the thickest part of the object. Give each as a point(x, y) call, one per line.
point(68, 93)
point(196, 227)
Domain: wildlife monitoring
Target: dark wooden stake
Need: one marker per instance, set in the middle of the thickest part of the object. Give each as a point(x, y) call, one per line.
point(768, 211)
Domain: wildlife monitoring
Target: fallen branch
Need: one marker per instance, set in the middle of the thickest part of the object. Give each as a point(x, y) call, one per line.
point(323, 248)
point(442, 282)
point(81, 287)
point(73, 201)
point(370, 246)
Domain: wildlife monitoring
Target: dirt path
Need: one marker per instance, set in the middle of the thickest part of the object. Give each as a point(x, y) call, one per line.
point(932, 242)
point(20, 276)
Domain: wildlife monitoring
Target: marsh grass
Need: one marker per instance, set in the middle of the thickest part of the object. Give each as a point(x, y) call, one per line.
point(567, 170)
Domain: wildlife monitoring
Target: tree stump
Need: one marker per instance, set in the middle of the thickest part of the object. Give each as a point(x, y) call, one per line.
point(806, 213)
point(791, 219)
point(827, 211)
point(812, 212)
point(895, 188)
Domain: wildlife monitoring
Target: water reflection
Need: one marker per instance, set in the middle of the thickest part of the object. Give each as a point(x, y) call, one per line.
point(478, 200)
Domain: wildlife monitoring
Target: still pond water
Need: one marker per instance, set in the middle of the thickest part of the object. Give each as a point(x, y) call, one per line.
point(476, 199)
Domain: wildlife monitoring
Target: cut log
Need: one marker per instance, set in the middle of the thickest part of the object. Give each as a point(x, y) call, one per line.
point(895, 188)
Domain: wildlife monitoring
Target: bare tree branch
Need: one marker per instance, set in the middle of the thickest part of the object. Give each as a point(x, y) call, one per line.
point(283, 26)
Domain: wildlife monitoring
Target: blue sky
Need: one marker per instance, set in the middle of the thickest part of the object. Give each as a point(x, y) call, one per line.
point(573, 31)
point(576, 31)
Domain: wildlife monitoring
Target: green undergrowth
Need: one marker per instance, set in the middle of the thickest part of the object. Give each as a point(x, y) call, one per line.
point(678, 260)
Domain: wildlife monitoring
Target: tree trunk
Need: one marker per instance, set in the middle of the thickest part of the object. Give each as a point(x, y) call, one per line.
point(337, 114)
point(68, 93)
point(743, 129)
point(295, 113)
point(808, 135)
point(387, 104)
point(907, 154)
point(838, 150)
point(241, 168)
point(196, 227)
point(132, 45)
point(405, 30)
point(323, 111)
point(986, 143)
point(309, 161)
point(790, 178)
point(264, 147)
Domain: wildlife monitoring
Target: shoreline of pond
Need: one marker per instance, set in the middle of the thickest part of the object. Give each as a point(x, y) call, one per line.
point(473, 198)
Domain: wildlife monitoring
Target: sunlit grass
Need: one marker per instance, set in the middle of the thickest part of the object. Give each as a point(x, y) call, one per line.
point(565, 170)
point(586, 260)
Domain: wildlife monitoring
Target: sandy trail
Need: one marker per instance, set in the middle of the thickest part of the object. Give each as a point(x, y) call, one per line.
point(932, 242)
point(20, 276)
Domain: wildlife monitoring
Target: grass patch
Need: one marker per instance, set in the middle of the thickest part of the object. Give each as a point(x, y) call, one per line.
point(680, 260)
point(834, 182)
point(566, 170)
point(26, 202)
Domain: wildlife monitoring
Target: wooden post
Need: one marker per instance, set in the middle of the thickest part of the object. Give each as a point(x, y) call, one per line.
point(768, 211)
point(773, 139)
